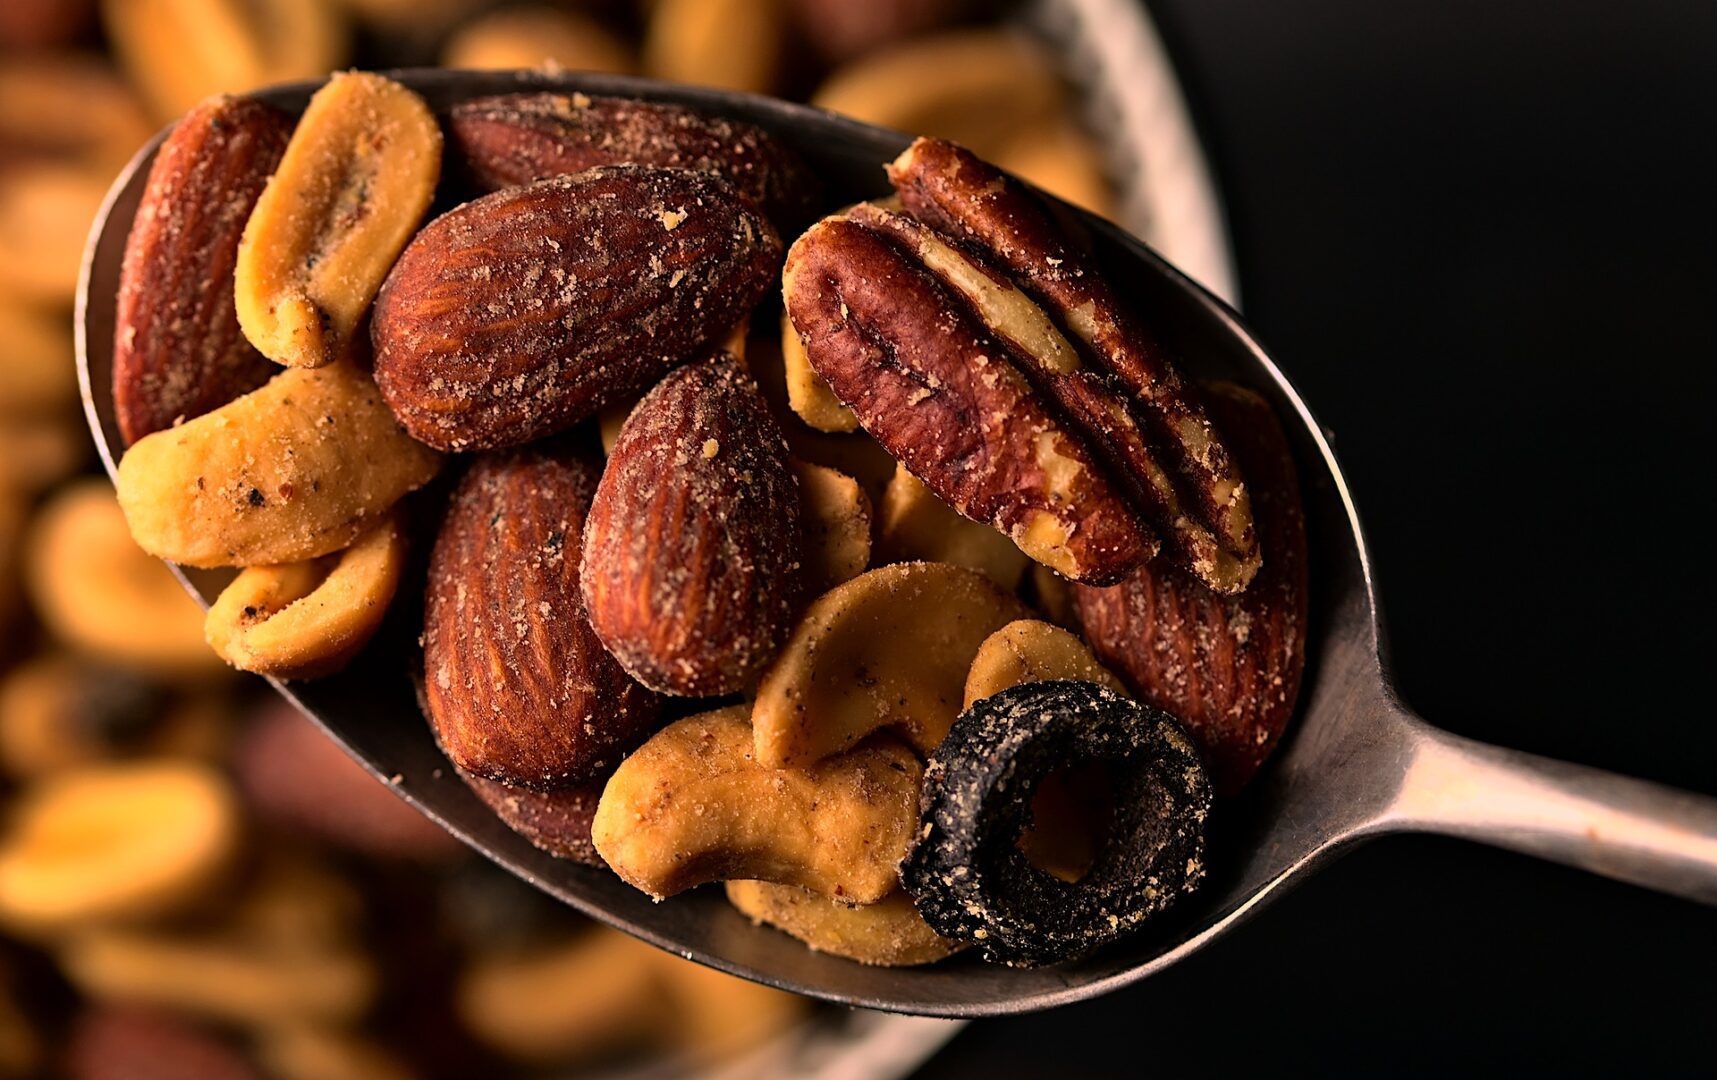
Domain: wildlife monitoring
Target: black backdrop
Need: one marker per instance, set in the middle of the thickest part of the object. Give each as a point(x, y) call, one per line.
point(1479, 235)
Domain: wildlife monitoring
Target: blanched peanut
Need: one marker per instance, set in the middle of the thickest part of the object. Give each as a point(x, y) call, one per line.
point(1030, 651)
point(890, 648)
point(354, 182)
point(529, 37)
point(693, 805)
point(807, 393)
point(307, 619)
point(888, 934)
point(291, 471)
point(835, 517)
point(114, 841)
point(95, 590)
point(913, 524)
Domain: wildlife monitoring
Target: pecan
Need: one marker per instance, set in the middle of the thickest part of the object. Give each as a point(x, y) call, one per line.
point(513, 139)
point(931, 383)
point(1228, 667)
point(1204, 508)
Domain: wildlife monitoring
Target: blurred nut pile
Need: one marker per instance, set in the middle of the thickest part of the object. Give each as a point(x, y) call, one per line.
point(193, 880)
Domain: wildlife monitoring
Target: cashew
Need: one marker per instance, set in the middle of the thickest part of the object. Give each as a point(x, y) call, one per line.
point(807, 393)
point(531, 37)
point(912, 523)
point(693, 805)
point(1063, 160)
point(45, 211)
point(306, 619)
point(890, 648)
point(95, 590)
point(888, 934)
point(355, 180)
point(38, 376)
point(836, 521)
point(111, 841)
point(1030, 651)
point(37, 452)
point(291, 471)
point(320, 1052)
point(1053, 596)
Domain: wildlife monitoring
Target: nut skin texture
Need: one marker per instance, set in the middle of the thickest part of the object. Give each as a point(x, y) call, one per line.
point(693, 538)
point(178, 351)
point(517, 687)
point(1228, 667)
point(514, 139)
point(290, 471)
point(930, 384)
point(523, 312)
point(1204, 512)
point(556, 821)
point(694, 805)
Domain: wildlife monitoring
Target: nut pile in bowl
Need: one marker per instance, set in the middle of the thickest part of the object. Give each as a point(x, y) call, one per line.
point(939, 622)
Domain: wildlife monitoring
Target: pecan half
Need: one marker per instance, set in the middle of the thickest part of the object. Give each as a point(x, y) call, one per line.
point(1228, 667)
point(931, 383)
point(513, 139)
point(1204, 509)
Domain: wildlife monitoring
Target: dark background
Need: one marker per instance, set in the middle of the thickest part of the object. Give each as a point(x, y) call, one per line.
point(1479, 237)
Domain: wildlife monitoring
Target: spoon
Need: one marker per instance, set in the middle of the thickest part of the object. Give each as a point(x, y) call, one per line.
point(1356, 764)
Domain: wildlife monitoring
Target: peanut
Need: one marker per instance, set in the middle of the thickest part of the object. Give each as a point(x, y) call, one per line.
point(294, 470)
point(807, 393)
point(355, 180)
point(306, 619)
point(1030, 651)
point(694, 805)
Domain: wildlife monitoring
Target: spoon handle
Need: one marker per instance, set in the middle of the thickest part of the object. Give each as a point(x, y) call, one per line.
point(1632, 830)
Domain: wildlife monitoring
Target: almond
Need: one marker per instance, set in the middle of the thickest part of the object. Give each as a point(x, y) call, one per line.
point(556, 821)
point(1228, 667)
point(517, 686)
point(513, 139)
point(694, 536)
point(523, 312)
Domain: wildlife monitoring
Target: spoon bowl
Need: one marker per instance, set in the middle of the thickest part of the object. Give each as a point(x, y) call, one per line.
point(1355, 763)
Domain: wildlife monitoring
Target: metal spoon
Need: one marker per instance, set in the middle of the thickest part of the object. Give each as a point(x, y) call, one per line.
point(1357, 763)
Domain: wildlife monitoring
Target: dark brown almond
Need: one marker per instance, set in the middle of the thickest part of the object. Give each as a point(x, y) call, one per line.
point(523, 312)
point(693, 541)
point(1228, 667)
point(517, 687)
point(513, 139)
point(178, 351)
point(961, 196)
point(556, 821)
point(938, 391)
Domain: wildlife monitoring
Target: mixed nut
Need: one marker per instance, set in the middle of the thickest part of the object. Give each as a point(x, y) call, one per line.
point(695, 657)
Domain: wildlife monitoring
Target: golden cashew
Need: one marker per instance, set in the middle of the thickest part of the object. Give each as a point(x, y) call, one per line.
point(1052, 596)
point(306, 619)
point(45, 211)
point(38, 376)
point(913, 524)
point(1063, 160)
point(115, 841)
point(890, 648)
point(1030, 651)
point(807, 392)
point(694, 805)
point(529, 37)
point(291, 471)
point(717, 1015)
point(37, 452)
point(96, 591)
point(322, 1052)
point(836, 522)
point(348, 194)
point(70, 105)
point(890, 933)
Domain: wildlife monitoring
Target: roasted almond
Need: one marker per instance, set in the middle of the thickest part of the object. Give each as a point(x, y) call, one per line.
point(556, 821)
point(1227, 667)
point(525, 311)
point(517, 686)
point(177, 348)
point(693, 539)
point(513, 139)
